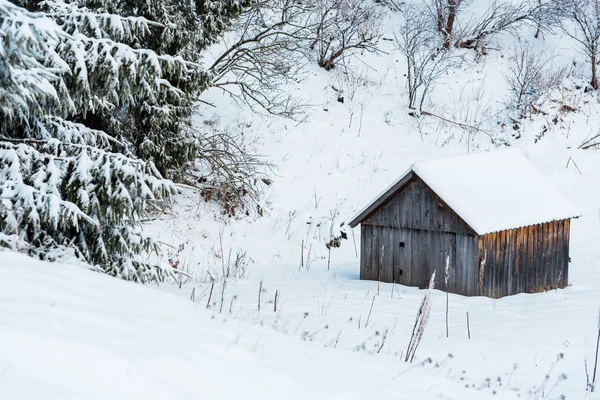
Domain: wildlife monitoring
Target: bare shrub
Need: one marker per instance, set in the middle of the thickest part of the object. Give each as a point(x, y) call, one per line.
point(265, 57)
point(425, 58)
point(497, 18)
point(394, 5)
point(582, 24)
point(227, 172)
point(343, 27)
point(530, 76)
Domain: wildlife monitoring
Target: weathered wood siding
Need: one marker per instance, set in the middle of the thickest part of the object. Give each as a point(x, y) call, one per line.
point(409, 237)
point(524, 260)
point(410, 256)
point(416, 206)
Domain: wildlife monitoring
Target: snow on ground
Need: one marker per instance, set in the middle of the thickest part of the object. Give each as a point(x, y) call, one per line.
point(69, 333)
point(333, 162)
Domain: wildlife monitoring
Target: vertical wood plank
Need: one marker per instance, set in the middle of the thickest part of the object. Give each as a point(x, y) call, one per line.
point(472, 264)
point(462, 266)
point(497, 264)
point(363, 251)
point(390, 244)
point(559, 252)
point(416, 205)
point(509, 262)
point(374, 256)
point(366, 261)
point(539, 257)
point(415, 261)
point(553, 254)
point(518, 265)
point(566, 254)
point(454, 274)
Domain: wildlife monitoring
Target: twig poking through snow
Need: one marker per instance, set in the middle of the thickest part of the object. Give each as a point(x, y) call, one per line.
point(468, 326)
point(259, 291)
point(571, 159)
point(212, 286)
point(596, 359)
point(371, 309)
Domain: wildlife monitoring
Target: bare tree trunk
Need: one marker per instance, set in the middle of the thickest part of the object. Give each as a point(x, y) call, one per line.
point(595, 84)
point(411, 95)
point(452, 5)
point(539, 24)
point(440, 16)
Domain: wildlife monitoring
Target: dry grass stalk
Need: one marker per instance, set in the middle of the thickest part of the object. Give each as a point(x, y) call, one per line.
point(420, 322)
point(593, 385)
point(370, 310)
point(212, 286)
point(468, 326)
point(259, 291)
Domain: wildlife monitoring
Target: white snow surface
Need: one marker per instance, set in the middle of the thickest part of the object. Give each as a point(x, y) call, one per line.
point(69, 333)
point(494, 191)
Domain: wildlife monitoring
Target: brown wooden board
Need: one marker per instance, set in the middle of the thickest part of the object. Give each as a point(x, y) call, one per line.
point(390, 245)
point(365, 246)
point(567, 238)
point(472, 257)
point(462, 267)
point(416, 260)
point(416, 206)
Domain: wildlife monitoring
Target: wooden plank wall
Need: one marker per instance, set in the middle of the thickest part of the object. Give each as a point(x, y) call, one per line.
point(416, 206)
point(528, 259)
point(430, 231)
point(525, 260)
point(409, 257)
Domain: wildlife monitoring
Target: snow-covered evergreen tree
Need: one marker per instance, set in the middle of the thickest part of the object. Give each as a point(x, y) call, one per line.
point(92, 104)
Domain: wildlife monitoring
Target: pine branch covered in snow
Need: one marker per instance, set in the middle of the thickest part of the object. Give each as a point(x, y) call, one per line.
point(94, 96)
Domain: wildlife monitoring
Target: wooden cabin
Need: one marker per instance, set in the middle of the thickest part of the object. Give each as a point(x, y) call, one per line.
point(500, 225)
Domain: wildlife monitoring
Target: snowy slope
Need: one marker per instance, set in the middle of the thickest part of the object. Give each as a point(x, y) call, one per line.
point(68, 333)
point(334, 161)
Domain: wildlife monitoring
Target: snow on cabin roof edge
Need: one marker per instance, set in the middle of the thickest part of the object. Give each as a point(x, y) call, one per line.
point(380, 198)
point(513, 195)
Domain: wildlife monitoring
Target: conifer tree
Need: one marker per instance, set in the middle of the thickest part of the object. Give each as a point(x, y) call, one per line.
point(94, 95)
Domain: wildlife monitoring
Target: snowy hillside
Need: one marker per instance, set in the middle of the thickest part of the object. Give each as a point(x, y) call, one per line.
point(65, 334)
point(263, 310)
point(337, 159)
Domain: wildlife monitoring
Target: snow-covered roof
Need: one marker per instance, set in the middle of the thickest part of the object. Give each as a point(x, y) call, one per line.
point(491, 191)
